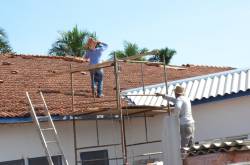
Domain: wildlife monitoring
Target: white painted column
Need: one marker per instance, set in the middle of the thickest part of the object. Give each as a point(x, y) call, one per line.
point(171, 140)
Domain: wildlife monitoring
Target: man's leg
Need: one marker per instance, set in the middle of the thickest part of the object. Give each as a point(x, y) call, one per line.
point(187, 135)
point(191, 141)
point(100, 83)
point(93, 84)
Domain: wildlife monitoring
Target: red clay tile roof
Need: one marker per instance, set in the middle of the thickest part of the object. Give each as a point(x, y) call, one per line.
point(21, 73)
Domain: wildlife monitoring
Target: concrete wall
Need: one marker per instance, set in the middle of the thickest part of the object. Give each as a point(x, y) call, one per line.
point(222, 119)
point(19, 141)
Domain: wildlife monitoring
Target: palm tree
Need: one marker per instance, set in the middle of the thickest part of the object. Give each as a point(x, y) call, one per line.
point(71, 43)
point(130, 49)
point(165, 52)
point(4, 45)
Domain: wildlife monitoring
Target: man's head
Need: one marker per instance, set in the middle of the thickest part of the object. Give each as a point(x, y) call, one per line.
point(179, 91)
point(91, 43)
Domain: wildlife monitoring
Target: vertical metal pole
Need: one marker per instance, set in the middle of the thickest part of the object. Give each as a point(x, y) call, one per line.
point(142, 78)
point(97, 132)
point(118, 101)
point(166, 83)
point(146, 127)
point(75, 143)
point(72, 109)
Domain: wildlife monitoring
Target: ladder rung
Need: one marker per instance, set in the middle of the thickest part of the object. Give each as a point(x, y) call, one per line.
point(51, 142)
point(47, 129)
point(38, 106)
point(42, 117)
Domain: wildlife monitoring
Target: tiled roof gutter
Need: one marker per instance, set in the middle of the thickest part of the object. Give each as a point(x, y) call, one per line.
point(13, 120)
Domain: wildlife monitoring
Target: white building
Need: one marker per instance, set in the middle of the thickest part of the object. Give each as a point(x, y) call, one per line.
point(220, 107)
point(99, 137)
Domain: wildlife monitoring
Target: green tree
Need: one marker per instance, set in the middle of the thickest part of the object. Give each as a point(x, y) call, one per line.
point(4, 44)
point(129, 49)
point(71, 43)
point(165, 52)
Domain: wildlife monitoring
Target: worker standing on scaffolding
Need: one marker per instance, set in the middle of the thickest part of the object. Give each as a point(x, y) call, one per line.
point(94, 56)
point(183, 108)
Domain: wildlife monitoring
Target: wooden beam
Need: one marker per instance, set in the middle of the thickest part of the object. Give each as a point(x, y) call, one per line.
point(138, 95)
point(144, 62)
point(154, 52)
point(104, 64)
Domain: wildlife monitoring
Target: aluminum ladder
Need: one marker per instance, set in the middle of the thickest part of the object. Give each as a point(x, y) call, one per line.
point(51, 129)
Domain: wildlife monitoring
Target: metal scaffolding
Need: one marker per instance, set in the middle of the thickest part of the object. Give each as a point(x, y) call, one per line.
point(119, 109)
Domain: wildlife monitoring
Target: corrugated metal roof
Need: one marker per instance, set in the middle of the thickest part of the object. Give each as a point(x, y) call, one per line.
point(241, 163)
point(214, 147)
point(196, 88)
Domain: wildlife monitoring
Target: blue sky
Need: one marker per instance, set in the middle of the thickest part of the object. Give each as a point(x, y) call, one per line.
point(205, 32)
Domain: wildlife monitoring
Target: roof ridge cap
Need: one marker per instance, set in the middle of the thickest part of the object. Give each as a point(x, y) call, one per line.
point(66, 58)
point(203, 65)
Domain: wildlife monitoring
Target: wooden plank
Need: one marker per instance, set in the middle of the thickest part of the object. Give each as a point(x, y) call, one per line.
point(154, 52)
point(138, 95)
point(130, 111)
point(144, 62)
point(104, 64)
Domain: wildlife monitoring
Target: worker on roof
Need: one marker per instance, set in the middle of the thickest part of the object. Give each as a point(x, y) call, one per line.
point(184, 110)
point(94, 55)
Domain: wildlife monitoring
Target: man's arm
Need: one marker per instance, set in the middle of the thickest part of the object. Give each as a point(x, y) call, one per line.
point(167, 97)
point(103, 46)
point(86, 57)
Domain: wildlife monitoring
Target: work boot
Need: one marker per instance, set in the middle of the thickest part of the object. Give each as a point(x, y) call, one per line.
point(101, 95)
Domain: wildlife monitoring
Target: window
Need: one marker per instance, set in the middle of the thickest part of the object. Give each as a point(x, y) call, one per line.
point(95, 157)
point(13, 162)
point(57, 160)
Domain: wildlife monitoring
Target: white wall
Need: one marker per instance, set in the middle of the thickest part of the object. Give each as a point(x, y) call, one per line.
point(230, 117)
point(19, 141)
point(213, 120)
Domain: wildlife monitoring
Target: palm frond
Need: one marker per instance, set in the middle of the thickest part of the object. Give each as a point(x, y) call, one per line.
point(71, 43)
point(164, 53)
point(4, 44)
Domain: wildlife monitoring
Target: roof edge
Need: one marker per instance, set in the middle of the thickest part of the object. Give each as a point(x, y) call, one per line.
point(220, 97)
point(66, 58)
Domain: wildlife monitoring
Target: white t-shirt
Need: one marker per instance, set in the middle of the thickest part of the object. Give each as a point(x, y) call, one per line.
point(183, 108)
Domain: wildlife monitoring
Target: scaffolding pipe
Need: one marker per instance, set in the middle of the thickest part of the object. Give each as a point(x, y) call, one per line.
point(142, 78)
point(72, 108)
point(118, 98)
point(75, 144)
point(166, 83)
